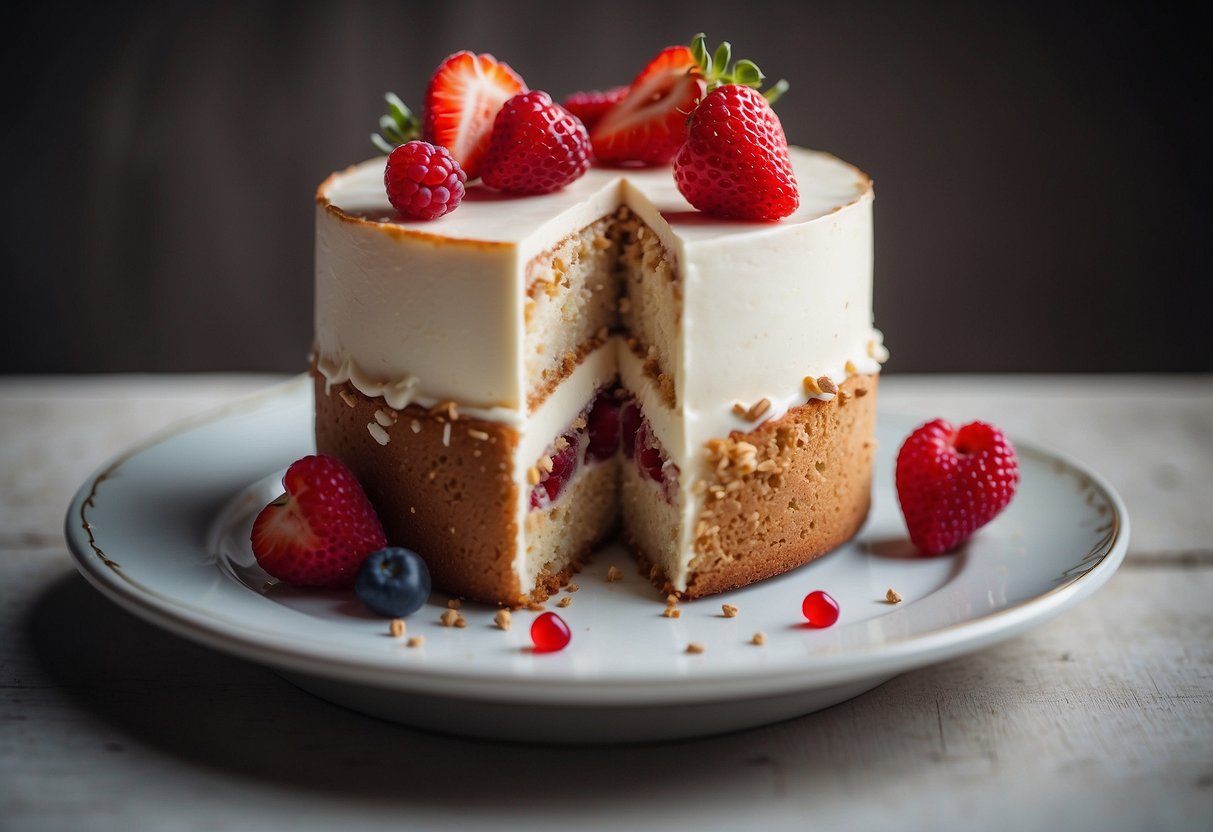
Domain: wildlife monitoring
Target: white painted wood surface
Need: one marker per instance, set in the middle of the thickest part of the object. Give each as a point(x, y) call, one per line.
point(1101, 719)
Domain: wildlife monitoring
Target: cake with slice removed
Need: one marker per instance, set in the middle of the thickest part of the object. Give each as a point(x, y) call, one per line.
point(515, 382)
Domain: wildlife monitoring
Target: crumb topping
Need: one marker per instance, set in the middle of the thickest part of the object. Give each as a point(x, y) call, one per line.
point(694, 647)
point(565, 601)
point(416, 641)
point(613, 574)
point(396, 627)
point(759, 638)
point(454, 604)
point(671, 612)
point(729, 610)
point(892, 596)
point(503, 619)
point(449, 617)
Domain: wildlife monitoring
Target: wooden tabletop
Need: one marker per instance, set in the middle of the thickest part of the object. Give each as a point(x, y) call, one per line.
point(1101, 719)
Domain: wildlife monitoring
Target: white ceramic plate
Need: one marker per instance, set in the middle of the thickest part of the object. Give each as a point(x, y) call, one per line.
point(163, 531)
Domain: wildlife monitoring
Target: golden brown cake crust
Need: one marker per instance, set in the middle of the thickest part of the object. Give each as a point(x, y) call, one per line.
point(447, 495)
point(787, 492)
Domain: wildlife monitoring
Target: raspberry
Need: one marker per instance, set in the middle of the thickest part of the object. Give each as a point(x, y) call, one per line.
point(536, 146)
point(319, 531)
point(423, 181)
point(952, 482)
point(735, 161)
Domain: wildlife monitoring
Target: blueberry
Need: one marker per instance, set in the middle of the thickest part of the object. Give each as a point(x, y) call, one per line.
point(393, 582)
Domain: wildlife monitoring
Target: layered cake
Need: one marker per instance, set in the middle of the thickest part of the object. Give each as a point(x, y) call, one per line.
point(524, 377)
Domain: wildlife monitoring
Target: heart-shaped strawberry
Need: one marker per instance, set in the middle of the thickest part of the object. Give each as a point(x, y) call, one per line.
point(320, 530)
point(952, 482)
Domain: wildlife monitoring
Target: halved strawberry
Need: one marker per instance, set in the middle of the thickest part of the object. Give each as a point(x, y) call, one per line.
point(592, 105)
point(650, 123)
point(320, 530)
point(461, 102)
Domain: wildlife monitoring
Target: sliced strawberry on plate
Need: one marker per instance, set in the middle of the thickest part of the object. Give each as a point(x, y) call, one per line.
point(319, 531)
point(461, 102)
point(592, 105)
point(650, 123)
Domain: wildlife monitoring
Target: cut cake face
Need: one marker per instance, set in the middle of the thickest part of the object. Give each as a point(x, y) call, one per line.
point(516, 381)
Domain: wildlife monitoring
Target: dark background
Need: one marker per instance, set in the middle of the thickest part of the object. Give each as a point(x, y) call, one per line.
point(1043, 173)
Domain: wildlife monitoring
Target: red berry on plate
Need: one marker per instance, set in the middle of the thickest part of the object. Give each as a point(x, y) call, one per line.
point(319, 531)
point(649, 124)
point(820, 609)
point(537, 146)
point(423, 182)
point(461, 102)
point(735, 161)
point(549, 633)
point(952, 482)
point(591, 106)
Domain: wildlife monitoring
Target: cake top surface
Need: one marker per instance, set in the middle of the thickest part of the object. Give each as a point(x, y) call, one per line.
point(826, 183)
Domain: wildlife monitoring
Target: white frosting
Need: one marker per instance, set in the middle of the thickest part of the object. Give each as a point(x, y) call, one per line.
point(428, 311)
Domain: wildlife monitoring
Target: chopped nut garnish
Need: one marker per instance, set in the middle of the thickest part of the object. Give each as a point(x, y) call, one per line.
point(578, 423)
point(416, 641)
point(535, 606)
point(416, 426)
point(477, 434)
point(892, 596)
point(759, 639)
point(561, 443)
point(694, 647)
point(396, 627)
point(565, 601)
point(572, 587)
point(671, 600)
point(387, 418)
point(532, 476)
point(449, 617)
point(671, 612)
point(811, 386)
point(754, 412)
point(348, 398)
point(446, 408)
point(454, 604)
point(613, 574)
point(376, 430)
point(545, 464)
point(826, 385)
point(503, 619)
point(729, 610)
point(850, 368)
point(460, 621)
point(740, 410)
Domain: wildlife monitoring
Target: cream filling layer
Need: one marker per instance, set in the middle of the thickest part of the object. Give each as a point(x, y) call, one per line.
point(552, 418)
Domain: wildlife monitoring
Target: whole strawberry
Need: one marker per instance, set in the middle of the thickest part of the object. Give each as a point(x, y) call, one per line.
point(423, 181)
point(952, 482)
point(735, 162)
point(319, 531)
point(536, 146)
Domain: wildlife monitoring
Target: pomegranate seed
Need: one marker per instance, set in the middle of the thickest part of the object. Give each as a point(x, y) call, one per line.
point(603, 422)
point(820, 609)
point(549, 633)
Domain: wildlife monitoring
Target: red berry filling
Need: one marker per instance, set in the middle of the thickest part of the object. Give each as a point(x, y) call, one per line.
point(596, 436)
